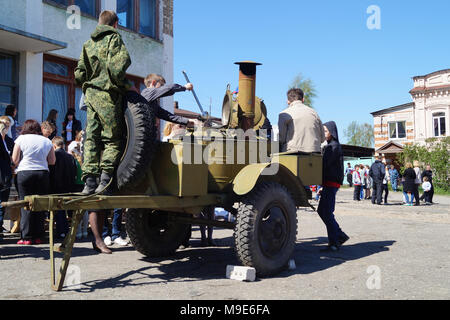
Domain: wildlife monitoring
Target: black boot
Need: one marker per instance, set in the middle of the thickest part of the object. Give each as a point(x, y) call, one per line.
point(89, 186)
point(105, 179)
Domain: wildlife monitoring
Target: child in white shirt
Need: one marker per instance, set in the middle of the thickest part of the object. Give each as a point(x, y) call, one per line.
point(426, 186)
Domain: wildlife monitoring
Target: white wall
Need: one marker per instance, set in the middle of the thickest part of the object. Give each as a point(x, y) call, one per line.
point(34, 16)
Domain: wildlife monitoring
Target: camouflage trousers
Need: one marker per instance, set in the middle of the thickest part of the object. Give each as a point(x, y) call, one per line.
point(104, 133)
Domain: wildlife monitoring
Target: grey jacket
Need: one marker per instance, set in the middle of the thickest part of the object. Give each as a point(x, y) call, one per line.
point(153, 94)
point(300, 129)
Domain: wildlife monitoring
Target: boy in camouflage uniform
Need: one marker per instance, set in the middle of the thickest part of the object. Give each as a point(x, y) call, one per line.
point(101, 72)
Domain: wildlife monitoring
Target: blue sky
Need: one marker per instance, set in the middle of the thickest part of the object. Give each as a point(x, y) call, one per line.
point(356, 70)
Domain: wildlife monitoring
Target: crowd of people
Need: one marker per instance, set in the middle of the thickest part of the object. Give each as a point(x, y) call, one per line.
point(376, 179)
point(45, 161)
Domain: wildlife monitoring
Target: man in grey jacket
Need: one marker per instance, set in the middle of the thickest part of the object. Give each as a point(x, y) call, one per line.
point(300, 128)
point(377, 172)
point(156, 89)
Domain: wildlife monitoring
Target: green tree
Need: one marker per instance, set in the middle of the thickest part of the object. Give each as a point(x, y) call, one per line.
point(359, 134)
point(436, 153)
point(308, 87)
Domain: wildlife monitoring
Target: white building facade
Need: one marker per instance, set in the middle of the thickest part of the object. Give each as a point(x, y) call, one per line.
point(428, 116)
point(41, 42)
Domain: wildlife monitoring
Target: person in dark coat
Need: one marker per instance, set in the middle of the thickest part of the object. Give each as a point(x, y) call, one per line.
point(377, 172)
point(409, 185)
point(6, 148)
point(333, 177)
point(62, 180)
point(71, 126)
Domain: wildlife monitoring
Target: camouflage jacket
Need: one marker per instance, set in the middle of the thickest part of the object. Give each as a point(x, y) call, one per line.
point(103, 62)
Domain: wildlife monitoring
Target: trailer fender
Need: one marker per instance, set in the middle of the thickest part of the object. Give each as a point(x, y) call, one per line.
point(246, 179)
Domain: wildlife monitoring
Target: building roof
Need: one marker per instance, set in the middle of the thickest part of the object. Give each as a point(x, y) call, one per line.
point(428, 89)
point(392, 109)
point(433, 73)
point(391, 147)
point(356, 151)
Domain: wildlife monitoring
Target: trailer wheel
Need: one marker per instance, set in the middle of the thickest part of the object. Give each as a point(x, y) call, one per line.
point(152, 234)
point(141, 140)
point(266, 228)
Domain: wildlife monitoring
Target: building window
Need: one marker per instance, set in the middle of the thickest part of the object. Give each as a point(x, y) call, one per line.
point(61, 92)
point(397, 130)
point(88, 7)
point(138, 15)
point(439, 124)
point(58, 88)
point(147, 17)
point(8, 81)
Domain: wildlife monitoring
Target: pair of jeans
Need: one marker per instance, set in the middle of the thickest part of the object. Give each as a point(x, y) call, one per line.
point(427, 196)
point(394, 184)
point(32, 182)
point(416, 193)
point(357, 192)
point(376, 192)
point(408, 200)
point(116, 226)
point(326, 213)
point(62, 227)
point(386, 192)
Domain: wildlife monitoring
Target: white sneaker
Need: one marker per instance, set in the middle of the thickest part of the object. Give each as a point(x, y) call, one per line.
point(121, 242)
point(107, 241)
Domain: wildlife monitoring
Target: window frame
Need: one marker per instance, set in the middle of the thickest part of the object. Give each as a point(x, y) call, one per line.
point(70, 82)
point(438, 116)
point(72, 2)
point(137, 16)
point(15, 77)
point(396, 130)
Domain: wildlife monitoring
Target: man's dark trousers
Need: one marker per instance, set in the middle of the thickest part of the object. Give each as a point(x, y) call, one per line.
point(377, 191)
point(325, 211)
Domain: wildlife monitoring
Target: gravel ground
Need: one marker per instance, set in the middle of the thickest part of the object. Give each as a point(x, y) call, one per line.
point(394, 252)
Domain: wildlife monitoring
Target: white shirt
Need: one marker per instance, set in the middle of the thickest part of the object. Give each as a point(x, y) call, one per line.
point(35, 149)
point(426, 186)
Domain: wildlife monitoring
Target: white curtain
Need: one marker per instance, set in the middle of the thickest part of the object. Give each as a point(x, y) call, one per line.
point(80, 114)
point(55, 97)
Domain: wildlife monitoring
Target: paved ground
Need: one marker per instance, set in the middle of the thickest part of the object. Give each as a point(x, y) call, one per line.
point(395, 252)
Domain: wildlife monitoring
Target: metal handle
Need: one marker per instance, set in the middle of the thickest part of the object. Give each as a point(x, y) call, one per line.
point(204, 114)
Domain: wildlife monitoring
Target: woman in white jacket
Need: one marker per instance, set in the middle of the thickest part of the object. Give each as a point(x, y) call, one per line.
point(357, 183)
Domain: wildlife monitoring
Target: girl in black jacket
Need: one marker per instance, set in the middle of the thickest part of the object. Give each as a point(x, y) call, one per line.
point(71, 127)
point(409, 177)
point(333, 176)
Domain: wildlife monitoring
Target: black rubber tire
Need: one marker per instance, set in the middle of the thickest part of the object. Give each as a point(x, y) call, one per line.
point(152, 235)
point(253, 216)
point(140, 142)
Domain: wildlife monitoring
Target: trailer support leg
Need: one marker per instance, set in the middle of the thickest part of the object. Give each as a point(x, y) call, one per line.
point(65, 248)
